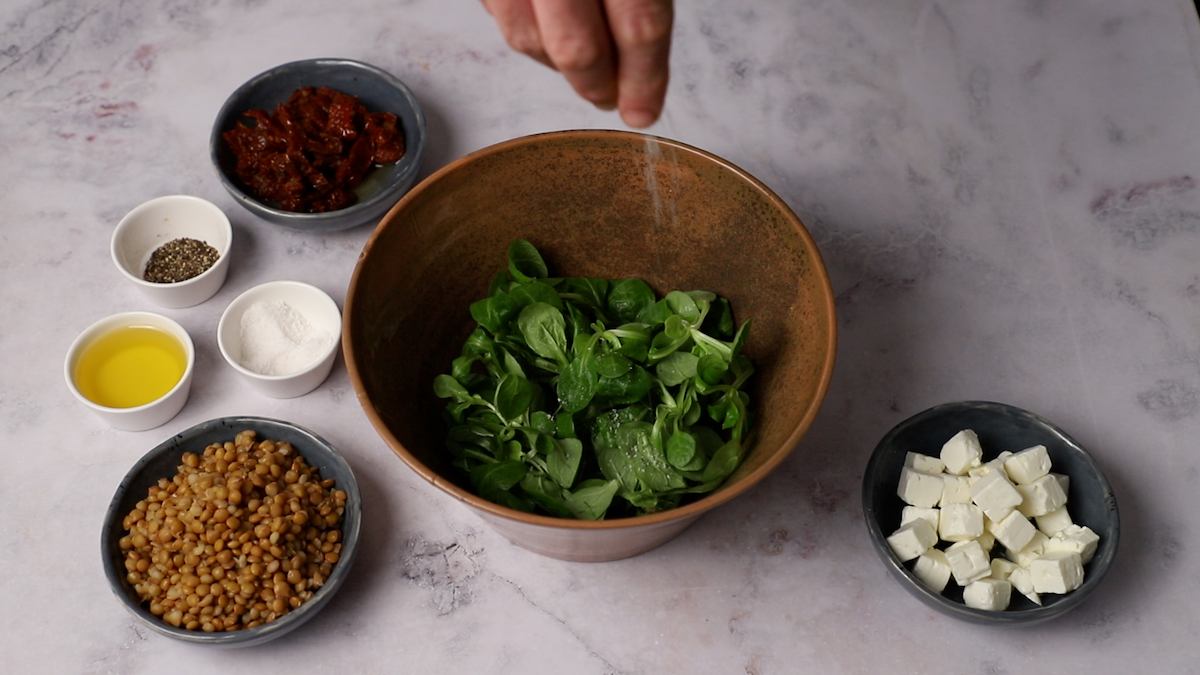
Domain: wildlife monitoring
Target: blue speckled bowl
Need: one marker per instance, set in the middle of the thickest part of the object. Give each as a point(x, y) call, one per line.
point(377, 89)
point(1000, 427)
point(162, 462)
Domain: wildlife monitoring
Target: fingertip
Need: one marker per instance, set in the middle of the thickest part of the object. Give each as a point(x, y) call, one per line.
point(603, 97)
point(596, 87)
point(639, 118)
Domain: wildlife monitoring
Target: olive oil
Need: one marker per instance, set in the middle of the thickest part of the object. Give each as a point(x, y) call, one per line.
point(130, 366)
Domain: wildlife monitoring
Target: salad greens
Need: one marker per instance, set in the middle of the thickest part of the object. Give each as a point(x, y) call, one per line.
point(586, 398)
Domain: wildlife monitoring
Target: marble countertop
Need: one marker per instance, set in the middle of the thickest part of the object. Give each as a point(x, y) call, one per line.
point(1006, 195)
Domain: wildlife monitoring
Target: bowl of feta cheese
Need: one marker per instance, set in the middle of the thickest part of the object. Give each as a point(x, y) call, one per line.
point(990, 513)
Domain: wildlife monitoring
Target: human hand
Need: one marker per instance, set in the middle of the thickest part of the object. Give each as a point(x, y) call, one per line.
point(613, 52)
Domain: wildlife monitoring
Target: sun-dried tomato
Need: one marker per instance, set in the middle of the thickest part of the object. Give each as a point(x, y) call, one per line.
point(312, 150)
point(388, 142)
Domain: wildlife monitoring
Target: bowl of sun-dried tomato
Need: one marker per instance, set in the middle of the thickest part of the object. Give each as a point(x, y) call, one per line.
point(319, 144)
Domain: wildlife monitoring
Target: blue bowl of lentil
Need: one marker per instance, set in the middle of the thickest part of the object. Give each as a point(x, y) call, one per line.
point(377, 89)
point(162, 463)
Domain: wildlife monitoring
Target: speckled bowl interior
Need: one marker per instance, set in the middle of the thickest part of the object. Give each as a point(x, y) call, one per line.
point(1090, 499)
point(162, 462)
point(376, 88)
point(596, 203)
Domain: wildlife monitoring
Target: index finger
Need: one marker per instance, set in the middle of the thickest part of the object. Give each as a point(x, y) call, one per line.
point(641, 30)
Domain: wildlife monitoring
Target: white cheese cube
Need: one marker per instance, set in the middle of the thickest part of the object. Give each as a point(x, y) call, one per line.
point(984, 469)
point(911, 513)
point(1002, 568)
point(1064, 481)
point(924, 463)
point(933, 570)
point(989, 594)
point(997, 515)
point(955, 490)
point(1015, 532)
point(913, 539)
point(1031, 552)
point(1041, 496)
point(961, 452)
point(1028, 465)
point(1056, 572)
point(919, 489)
point(960, 522)
point(968, 562)
point(986, 540)
point(995, 495)
point(1022, 580)
point(1052, 523)
point(1075, 539)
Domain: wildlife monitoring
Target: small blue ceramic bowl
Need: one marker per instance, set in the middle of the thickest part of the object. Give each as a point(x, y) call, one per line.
point(377, 89)
point(162, 462)
point(1000, 427)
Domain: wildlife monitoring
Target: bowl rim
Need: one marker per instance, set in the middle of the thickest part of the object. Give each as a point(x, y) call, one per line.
point(351, 533)
point(694, 509)
point(410, 159)
point(129, 319)
point(1021, 617)
point(262, 288)
point(125, 224)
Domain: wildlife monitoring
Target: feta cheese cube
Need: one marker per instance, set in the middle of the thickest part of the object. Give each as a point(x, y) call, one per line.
point(1075, 539)
point(924, 463)
point(1022, 580)
point(1015, 532)
point(1041, 496)
point(1031, 552)
point(1064, 481)
point(919, 489)
point(989, 594)
point(997, 515)
point(1052, 523)
point(982, 470)
point(995, 495)
point(961, 452)
point(955, 490)
point(1056, 572)
point(933, 570)
point(960, 522)
point(911, 513)
point(1028, 465)
point(912, 539)
point(968, 562)
point(982, 503)
point(986, 540)
point(1002, 568)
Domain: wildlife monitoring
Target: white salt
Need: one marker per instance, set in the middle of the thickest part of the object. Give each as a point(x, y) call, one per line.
point(279, 340)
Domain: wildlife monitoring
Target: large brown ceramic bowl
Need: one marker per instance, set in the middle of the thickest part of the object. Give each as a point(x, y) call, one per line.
point(602, 204)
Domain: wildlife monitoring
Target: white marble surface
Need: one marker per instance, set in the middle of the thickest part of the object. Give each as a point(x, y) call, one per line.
point(1006, 196)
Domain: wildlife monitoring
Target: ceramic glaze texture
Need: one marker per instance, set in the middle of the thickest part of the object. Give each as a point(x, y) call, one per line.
point(1006, 197)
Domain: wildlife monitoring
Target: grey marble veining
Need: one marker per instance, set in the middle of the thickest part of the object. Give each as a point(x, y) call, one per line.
point(1007, 196)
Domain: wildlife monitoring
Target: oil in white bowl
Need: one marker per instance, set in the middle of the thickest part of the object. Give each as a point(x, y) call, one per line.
point(129, 366)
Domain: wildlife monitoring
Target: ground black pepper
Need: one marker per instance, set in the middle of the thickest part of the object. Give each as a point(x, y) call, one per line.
point(180, 260)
